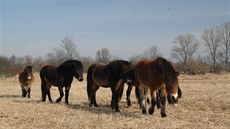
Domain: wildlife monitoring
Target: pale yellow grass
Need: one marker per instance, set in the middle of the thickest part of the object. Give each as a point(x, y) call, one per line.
point(205, 104)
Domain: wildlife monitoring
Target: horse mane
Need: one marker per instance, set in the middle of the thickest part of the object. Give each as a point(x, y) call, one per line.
point(167, 68)
point(113, 64)
point(66, 65)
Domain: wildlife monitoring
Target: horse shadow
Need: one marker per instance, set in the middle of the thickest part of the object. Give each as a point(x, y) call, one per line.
point(10, 96)
point(102, 109)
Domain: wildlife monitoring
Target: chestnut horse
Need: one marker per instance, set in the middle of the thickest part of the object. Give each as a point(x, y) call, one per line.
point(155, 75)
point(61, 76)
point(113, 75)
point(26, 78)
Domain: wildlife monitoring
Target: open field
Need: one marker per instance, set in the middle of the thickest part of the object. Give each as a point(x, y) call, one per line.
point(205, 104)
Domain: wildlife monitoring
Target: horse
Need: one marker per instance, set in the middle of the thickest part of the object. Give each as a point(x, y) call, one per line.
point(26, 78)
point(135, 84)
point(61, 76)
point(155, 75)
point(113, 75)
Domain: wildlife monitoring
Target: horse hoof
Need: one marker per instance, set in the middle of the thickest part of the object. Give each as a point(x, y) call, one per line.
point(117, 110)
point(58, 100)
point(67, 103)
point(151, 110)
point(163, 114)
point(144, 111)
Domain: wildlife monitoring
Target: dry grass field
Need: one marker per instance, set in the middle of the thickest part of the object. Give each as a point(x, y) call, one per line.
point(205, 104)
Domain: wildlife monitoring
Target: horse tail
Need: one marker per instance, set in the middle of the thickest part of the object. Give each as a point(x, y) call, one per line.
point(43, 84)
point(120, 91)
point(90, 82)
point(137, 94)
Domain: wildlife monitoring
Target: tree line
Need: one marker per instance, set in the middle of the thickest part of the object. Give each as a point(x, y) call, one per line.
point(216, 41)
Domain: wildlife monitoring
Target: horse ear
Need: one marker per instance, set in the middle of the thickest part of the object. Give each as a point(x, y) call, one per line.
point(177, 73)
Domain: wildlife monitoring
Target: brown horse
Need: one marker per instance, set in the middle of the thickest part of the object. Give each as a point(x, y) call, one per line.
point(26, 78)
point(155, 75)
point(112, 75)
point(61, 76)
point(135, 84)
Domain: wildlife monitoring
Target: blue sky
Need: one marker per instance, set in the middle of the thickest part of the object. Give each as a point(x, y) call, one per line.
point(125, 27)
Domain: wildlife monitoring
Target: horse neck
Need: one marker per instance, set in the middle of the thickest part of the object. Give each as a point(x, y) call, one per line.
point(65, 70)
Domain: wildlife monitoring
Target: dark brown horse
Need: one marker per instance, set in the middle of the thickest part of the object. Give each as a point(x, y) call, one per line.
point(26, 78)
point(61, 76)
point(135, 84)
point(155, 75)
point(111, 75)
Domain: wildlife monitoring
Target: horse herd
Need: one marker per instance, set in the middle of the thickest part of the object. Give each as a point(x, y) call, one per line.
point(156, 76)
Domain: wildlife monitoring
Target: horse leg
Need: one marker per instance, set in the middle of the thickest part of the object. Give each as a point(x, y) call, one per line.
point(61, 94)
point(163, 95)
point(47, 91)
point(93, 97)
point(141, 98)
point(128, 92)
point(29, 92)
point(49, 96)
point(153, 101)
point(44, 91)
point(67, 94)
point(24, 92)
point(115, 97)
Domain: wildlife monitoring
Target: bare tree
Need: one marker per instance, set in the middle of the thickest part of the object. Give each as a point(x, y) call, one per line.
point(68, 49)
point(152, 52)
point(103, 55)
point(38, 63)
point(225, 42)
point(184, 48)
point(28, 60)
point(212, 42)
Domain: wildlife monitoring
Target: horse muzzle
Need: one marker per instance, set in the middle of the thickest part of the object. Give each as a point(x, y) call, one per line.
point(173, 98)
point(129, 82)
point(80, 78)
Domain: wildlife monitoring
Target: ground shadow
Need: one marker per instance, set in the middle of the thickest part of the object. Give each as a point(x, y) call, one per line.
point(102, 109)
point(10, 96)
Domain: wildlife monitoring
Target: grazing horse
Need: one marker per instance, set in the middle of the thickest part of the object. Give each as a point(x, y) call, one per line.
point(61, 76)
point(26, 78)
point(135, 83)
point(155, 75)
point(113, 75)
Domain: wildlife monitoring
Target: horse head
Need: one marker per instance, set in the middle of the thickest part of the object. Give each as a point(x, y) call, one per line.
point(78, 70)
point(28, 72)
point(172, 88)
point(127, 72)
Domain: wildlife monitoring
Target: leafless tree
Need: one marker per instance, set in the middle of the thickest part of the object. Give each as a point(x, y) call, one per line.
point(212, 42)
point(68, 49)
point(152, 52)
point(103, 55)
point(225, 42)
point(38, 63)
point(28, 60)
point(184, 48)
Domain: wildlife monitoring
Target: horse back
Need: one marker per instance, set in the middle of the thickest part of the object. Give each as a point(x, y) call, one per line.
point(100, 74)
point(148, 74)
point(48, 73)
